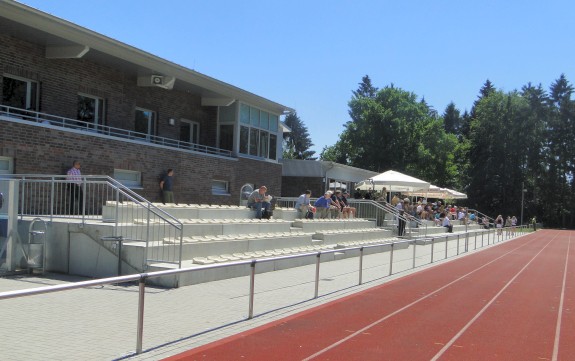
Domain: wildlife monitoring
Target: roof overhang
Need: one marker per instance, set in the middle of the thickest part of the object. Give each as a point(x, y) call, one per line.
point(64, 39)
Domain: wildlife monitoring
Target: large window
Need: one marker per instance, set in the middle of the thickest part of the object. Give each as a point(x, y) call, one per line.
point(227, 136)
point(190, 131)
point(90, 109)
point(258, 132)
point(145, 122)
point(19, 93)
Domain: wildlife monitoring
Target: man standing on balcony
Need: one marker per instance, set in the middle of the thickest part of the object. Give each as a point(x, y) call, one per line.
point(166, 185)
point(74, 178)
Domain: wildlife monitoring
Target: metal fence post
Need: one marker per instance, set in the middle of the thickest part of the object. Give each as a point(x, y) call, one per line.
point(317, 274)
point(432, 248)
point(391, 260)
point(252, 289)
point(140, 331)
point(360, 264)
point(414, 253)
point(458, 244)
point(446, 244)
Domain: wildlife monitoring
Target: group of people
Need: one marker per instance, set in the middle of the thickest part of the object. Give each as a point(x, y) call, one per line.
point(510, 225)
point(331, 205)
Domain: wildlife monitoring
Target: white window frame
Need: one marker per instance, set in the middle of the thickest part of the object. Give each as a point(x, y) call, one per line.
point(130, 178)
point(220, 187)
point(29, 83)
point(151, 121)
point(98, 118)
point(194, 137)
point(6, 165)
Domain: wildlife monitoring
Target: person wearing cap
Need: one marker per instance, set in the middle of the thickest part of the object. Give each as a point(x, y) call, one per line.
point(259, 201)
point(322, 205)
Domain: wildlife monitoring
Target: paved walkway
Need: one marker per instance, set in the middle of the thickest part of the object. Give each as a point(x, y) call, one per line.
point(99, 323)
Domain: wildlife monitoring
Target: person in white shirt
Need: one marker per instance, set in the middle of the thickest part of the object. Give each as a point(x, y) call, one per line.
point(447, 223)
point(302, 205)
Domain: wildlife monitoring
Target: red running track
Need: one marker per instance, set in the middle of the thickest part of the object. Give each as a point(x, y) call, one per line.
point(513, 301)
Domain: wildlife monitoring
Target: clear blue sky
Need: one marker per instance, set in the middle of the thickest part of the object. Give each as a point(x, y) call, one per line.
point(310, 55)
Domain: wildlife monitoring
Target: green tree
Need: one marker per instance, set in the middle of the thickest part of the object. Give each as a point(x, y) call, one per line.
point(297, 142)
point(452, 119)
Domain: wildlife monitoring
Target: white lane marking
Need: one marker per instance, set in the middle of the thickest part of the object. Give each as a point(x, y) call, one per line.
point(448, 344)
point(560, 314)
point(320, 352)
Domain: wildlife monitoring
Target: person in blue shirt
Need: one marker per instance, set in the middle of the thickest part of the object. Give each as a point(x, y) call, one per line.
point(322, 205)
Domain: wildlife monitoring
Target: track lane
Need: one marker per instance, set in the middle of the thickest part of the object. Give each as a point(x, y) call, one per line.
point(422, 331)
point(519, 324)
point(566, 337)
point(302, 335)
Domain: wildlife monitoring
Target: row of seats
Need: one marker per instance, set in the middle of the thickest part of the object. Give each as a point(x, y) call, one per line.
point(235, 220)
point(259, 254)
point(209, 221)
point(316, 220)
point(363, 243)
point(225, 237)
point(340, 231)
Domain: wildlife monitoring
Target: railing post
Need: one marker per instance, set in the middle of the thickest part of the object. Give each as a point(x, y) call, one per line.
point(317, 262)
point(140, 330)
point(52, 185)
point(391, 260)
point(22, 197)
point(414, 253)
point(432, 248)
point(252, 289)
point(83, 200)
point(360, 264)
point(458, 241)
point(446, 244)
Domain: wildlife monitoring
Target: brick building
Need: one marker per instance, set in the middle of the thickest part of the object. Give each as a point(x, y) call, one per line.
point(69, 93)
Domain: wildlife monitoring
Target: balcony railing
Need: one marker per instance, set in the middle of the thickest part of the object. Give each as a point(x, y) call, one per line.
point(92, 128)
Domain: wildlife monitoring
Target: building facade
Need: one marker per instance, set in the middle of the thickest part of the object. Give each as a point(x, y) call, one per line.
point(319, 177)
point(68, 93)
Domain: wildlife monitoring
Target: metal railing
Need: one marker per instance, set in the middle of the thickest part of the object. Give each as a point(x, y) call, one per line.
point(424, 251)
point(103, 199)
point(92, 128)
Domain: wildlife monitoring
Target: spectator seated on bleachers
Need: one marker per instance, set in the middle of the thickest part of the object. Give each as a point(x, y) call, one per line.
point(322, 205)
point(303, 207)
point(260, 202)
point(446, 222)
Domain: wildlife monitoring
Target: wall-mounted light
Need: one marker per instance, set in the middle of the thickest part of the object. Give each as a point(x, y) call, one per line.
point(172, 121)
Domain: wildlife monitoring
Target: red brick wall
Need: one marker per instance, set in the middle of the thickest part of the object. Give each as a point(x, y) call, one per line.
point(62, 79)
point(40, 150)
point(37, 149)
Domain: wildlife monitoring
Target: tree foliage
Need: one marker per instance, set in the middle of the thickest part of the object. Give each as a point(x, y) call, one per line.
point(297, 143)
point(511, 146)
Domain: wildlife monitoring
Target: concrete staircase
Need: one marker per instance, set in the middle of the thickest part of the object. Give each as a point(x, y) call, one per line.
point(223, 234)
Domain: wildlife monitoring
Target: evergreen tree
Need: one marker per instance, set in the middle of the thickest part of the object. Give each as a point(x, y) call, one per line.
point(452, 120)
point(365, 90)
point(297, 142)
